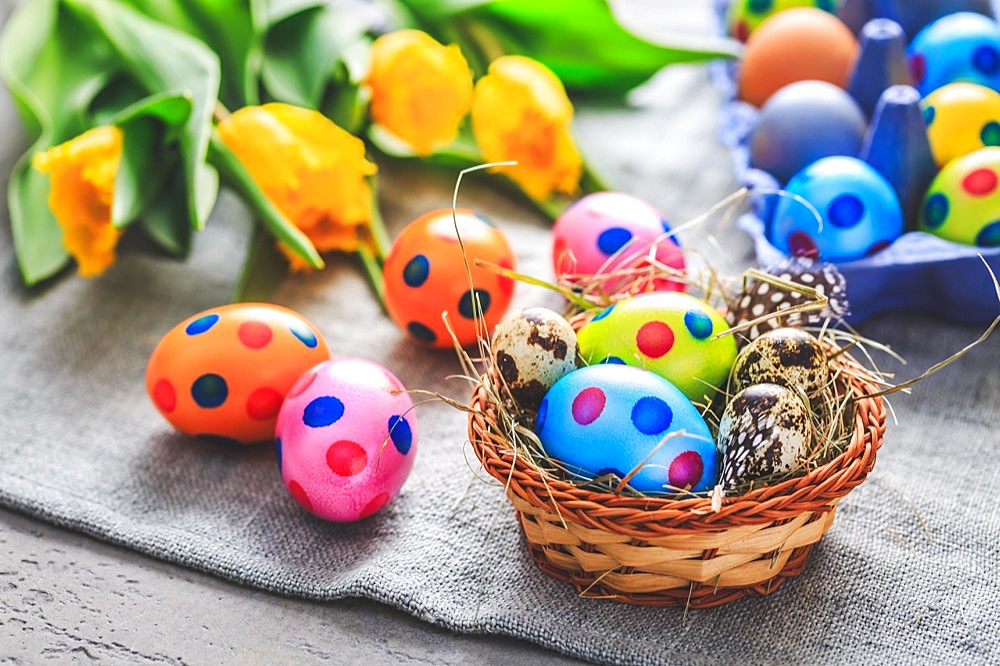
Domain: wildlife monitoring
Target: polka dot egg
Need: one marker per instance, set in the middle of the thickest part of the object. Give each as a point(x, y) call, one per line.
point(963, 202)
point(609, 419)
point(224, 372)
point(859, 212)
point(346, 439)
point(744, 16)
point(961, 117)
point(425, 275)
point(606, 232)
point(964, 46)
point(670, 333)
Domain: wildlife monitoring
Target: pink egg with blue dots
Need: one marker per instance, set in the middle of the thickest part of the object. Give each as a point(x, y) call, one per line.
point(612, 419)
point(963, 202)
point(346, 439)
point(605, 232)
point(850, 211)
point(964, 46)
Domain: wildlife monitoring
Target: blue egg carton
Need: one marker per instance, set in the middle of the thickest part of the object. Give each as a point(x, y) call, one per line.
point(918, 271)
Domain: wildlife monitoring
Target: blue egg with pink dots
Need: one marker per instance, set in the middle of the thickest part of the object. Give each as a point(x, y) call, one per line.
point(836, 209)
point(964, 46)
point(614, 419)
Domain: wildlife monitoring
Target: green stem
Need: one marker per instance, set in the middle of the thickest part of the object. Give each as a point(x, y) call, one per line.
point(239, 178)
point(373, 268)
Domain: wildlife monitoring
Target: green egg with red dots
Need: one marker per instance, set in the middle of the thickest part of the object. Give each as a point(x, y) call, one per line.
point(672, 334)
point(962, 204)
point(224, 372)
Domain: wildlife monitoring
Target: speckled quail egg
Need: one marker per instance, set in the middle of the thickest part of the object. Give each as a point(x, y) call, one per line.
point(764, 430)
point(532, 349)
point(787, 356)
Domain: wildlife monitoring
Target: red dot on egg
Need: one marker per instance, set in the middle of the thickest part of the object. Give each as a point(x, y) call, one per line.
point(505, 283)
point(802, 245)
point(263, 404)
point(686, 470)
point(301, 384)
point(254, 334)
point(164, 395)
point(299, 494)
point(374, 505)
point(346, 458)
point(588, 405)
point(654, 339)
point(980, 182)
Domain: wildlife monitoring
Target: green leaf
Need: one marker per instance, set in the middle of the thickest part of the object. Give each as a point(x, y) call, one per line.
point(165, 218)
point(264, 268)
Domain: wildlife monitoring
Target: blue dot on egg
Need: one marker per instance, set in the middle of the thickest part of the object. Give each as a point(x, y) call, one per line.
point(986, 59)
point(759, 6)
point(613, 360)
point(400, 434)
point(543, 411)
point(613, 239)
point(935, 210)
point(846, 211)
point(827, 5)
point(201, 324)
point(989, 236)
point(416, 271)
point(305, 336)
point(421, 332)
point(603, 313)
point(651, 415)
point(610, 471)
point(990, 134)
point(929, 113)
point(277, 451)
point(698, 324)
point(209, 390)
point(466, 304)
point(323, 411)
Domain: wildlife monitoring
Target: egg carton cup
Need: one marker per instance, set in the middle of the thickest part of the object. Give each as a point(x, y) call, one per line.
point(657, 551)
point(918, 271)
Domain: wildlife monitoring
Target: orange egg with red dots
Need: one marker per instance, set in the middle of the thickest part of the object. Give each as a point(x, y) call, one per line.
point(425, 274)
point(224, 372)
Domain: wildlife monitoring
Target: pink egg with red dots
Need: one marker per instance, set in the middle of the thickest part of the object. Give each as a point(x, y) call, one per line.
point(963, 202)
point(616, 419)
point(346, 439)
point(607, 232)
point(223, 372)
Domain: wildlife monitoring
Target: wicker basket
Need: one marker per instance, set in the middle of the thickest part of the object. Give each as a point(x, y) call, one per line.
point(666, 552)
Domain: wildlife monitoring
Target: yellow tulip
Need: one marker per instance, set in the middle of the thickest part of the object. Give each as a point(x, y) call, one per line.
point(310, 169)
point(421, 89)
point(520, 112)
point(81, 188)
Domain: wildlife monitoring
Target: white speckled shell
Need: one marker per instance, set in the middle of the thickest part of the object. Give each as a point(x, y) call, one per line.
point(532, 349)
point(786, 356)
point(764, 430)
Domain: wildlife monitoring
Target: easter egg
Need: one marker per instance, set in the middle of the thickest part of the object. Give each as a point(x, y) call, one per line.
point(786, 356)
point(532, 349)
point(764, 430)
point(859, 212)
point(803, 122)
point(224, 372)
point(612, 419)
point(964, 46)
point(346, 439)
point(669, 333)
point(795, 45)
point(606, 232)
point(426, 274)
point(744, 16)
point(961, 117)
point(963, 202)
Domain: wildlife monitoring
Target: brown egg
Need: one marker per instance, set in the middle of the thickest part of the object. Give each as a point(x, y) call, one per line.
point(795, 45)
point(764, 430)
point(532, 349)
point(787, 356)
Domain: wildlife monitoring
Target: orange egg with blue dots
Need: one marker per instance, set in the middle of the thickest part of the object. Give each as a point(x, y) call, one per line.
point(425, 274)
point(224, 372)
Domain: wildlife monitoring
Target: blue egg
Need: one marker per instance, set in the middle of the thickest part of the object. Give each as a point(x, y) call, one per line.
point(604, 419)
point(803, 122)
point(964, 46)
point(859, 212)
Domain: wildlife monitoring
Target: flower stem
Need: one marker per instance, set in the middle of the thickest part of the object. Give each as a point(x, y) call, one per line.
point(373, 268)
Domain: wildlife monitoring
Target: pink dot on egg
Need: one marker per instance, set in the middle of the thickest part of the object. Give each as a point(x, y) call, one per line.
point(655, 339)
point(374, 505)
point(980, 182)
point(164, 395)
point(254, 334)
point(263, 404)
point(686, 470)
point(346, 458)
point(588, 405)
point(299, 494)
point(802, 245)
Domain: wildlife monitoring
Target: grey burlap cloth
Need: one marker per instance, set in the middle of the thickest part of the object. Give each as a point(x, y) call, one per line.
point(908, 573)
